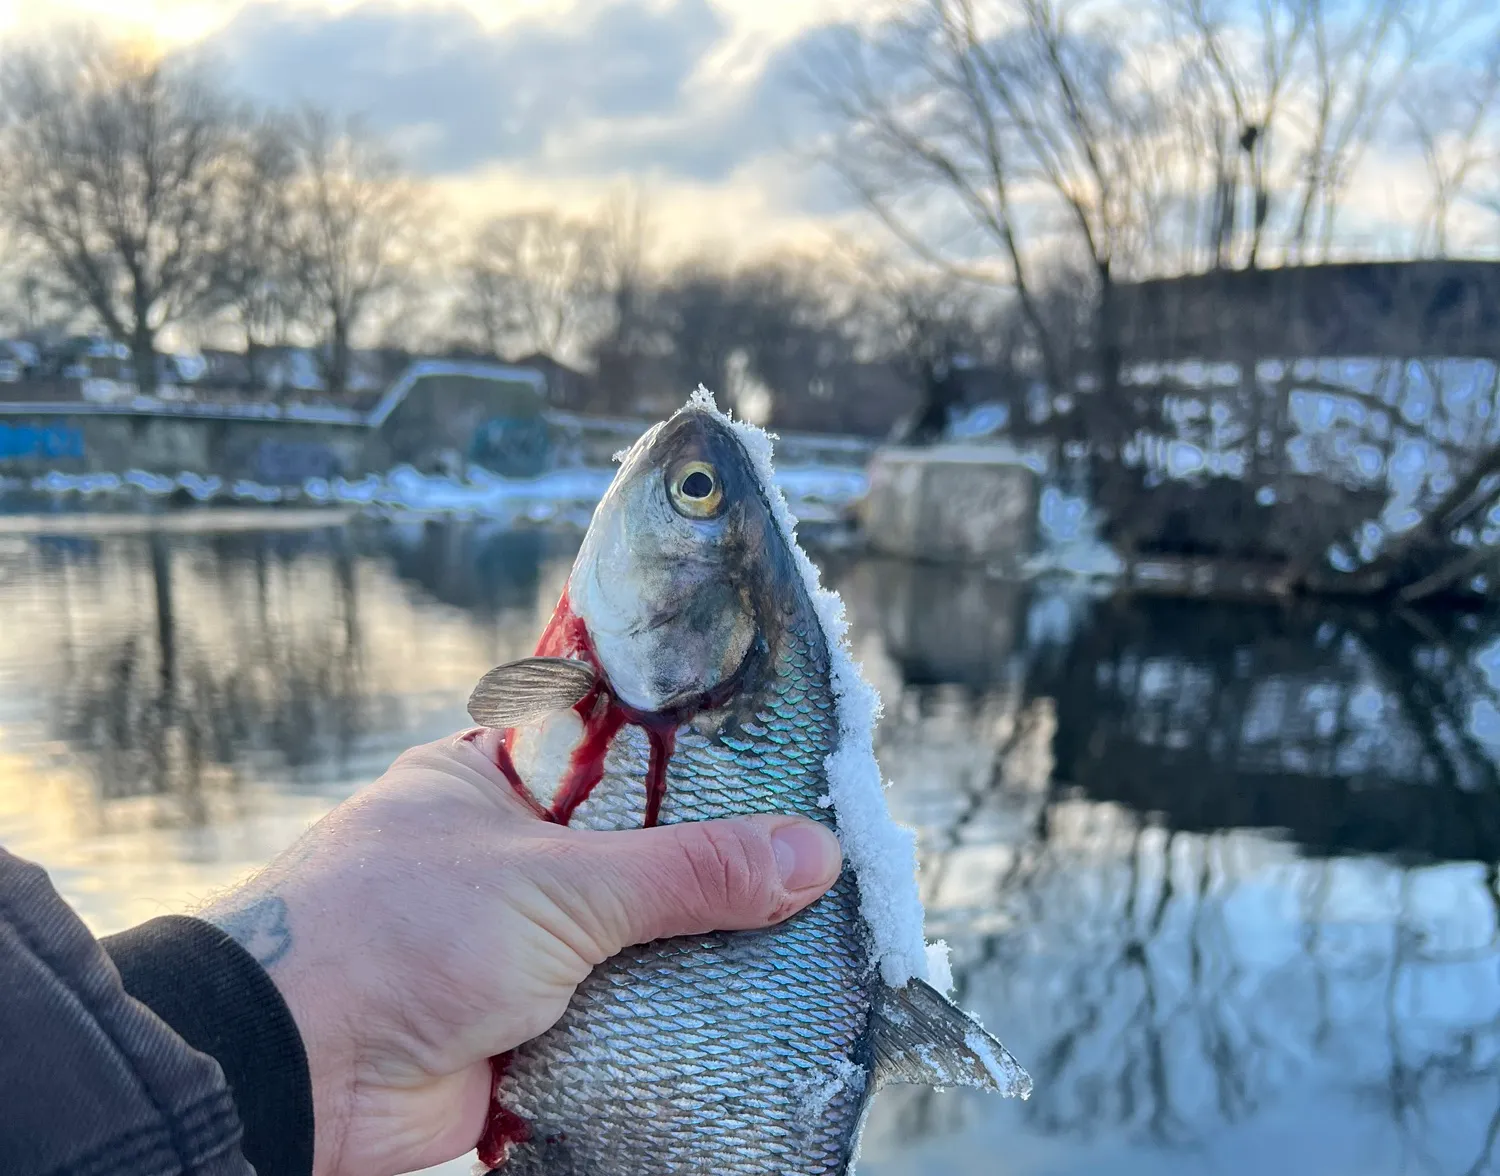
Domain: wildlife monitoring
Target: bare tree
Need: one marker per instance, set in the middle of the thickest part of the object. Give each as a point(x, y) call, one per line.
point(256, 278)
point(352, 214)
point(759, 329)
point(484, 311)
point(1035, 127)
point(1244, 61)
point(925, 323)
point(534, 280)
point(116, 169)
point(1362, 60)
point(1453, 122)
point(628, 334)
point(35, 302)
point(625, 241)
point(696, 310)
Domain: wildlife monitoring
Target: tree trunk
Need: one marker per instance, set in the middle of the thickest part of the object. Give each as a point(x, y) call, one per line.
point(254, 353)
point(941, 393)
point(1114, 419)
point(143, 358)
point(338, 357)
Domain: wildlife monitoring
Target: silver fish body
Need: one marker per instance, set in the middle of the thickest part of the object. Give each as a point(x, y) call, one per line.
point(748, 1053)
point(744, 1053)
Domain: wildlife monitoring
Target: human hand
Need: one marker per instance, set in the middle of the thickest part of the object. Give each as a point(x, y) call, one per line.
point(433, 921)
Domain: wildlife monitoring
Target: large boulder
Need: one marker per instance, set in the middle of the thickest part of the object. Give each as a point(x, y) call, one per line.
point(965, 504)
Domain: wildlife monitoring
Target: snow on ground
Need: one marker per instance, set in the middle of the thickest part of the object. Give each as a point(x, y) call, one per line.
point(816, 492)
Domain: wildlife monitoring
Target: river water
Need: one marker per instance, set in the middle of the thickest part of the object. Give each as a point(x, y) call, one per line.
point(1224, 879)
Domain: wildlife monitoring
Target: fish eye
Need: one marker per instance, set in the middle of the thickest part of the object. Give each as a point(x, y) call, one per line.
point(696, 490)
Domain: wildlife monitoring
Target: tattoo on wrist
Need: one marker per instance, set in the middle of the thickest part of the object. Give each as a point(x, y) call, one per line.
point(260, 927)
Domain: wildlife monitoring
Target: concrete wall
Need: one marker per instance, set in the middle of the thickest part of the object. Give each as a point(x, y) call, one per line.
point(436, 414)
point(951, 504)
point(447, 419)
point(273, 452)
point(1395, 309)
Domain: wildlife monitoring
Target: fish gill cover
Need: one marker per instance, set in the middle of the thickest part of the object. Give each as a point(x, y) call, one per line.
point(882, 853)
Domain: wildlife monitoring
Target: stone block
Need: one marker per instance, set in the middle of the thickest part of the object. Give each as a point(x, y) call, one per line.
point(951, 504)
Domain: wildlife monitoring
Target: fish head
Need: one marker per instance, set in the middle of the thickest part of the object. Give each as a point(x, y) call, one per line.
point(681, 576)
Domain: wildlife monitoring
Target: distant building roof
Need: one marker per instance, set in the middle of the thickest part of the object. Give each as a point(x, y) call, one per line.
point(567, 387)
point(422, 368)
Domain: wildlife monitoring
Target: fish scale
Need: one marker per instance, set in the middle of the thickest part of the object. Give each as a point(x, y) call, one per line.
point(716, 1045)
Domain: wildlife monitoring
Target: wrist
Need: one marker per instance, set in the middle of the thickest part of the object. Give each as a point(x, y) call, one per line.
point(221, 1002)
point(269, 927)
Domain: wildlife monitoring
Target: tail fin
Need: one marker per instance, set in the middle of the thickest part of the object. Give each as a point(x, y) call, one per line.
point(922, 1037)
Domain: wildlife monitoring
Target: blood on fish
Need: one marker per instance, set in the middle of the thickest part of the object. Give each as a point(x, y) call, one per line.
point(507, 768)
point(566, 635)
point(663, 738)
point(601, 723)
point(503, 1129)
point(603, 716)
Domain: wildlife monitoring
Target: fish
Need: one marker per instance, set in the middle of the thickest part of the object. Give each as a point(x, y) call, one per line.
point(694, 668)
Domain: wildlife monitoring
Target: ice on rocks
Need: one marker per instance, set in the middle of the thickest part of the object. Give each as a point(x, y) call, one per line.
point(882, 853)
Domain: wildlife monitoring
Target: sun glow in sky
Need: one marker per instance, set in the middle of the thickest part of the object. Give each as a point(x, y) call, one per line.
point(679, 112)
point(521, 104)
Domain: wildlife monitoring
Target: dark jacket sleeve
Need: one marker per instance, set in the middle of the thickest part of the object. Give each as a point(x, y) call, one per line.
point(93, 1082)
point(221, 1001)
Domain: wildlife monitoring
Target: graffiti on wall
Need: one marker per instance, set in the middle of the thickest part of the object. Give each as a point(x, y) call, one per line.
point(513, 446)
point(283, 462)
point(30, 441)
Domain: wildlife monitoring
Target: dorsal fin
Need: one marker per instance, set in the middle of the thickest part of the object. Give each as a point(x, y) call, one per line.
point(922, 1037)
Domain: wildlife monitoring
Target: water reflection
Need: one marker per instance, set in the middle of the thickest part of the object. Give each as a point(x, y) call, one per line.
point(487, 571)
point(174, 668)
point(1225, 879)
point(1203, 864)
point(168, 705)
point(1351, 736)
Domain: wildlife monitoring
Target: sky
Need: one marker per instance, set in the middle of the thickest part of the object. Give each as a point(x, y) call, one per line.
point(508, 104)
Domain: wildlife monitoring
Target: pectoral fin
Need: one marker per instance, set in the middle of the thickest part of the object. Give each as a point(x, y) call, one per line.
point(923, 1038)
point(524, 691)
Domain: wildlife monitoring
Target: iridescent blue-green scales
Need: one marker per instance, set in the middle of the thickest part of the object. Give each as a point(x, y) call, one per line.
point(740, 1054)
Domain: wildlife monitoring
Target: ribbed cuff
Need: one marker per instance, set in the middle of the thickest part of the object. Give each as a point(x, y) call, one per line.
point(221, 1002)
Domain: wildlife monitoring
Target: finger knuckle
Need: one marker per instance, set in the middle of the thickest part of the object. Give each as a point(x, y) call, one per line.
point(729, 868)
point(413, 757)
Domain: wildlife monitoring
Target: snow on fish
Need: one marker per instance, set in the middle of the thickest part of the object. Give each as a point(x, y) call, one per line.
point(694, 669)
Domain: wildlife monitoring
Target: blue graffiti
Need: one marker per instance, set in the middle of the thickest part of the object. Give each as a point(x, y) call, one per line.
point(40, 441)
point(512, 447)
point(294, 461)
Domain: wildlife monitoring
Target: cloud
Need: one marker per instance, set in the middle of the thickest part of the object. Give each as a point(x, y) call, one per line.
point(668, 93)
point(458, 95)
point(720, 128)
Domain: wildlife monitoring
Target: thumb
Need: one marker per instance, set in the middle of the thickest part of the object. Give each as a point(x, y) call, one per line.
point(696, 877)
